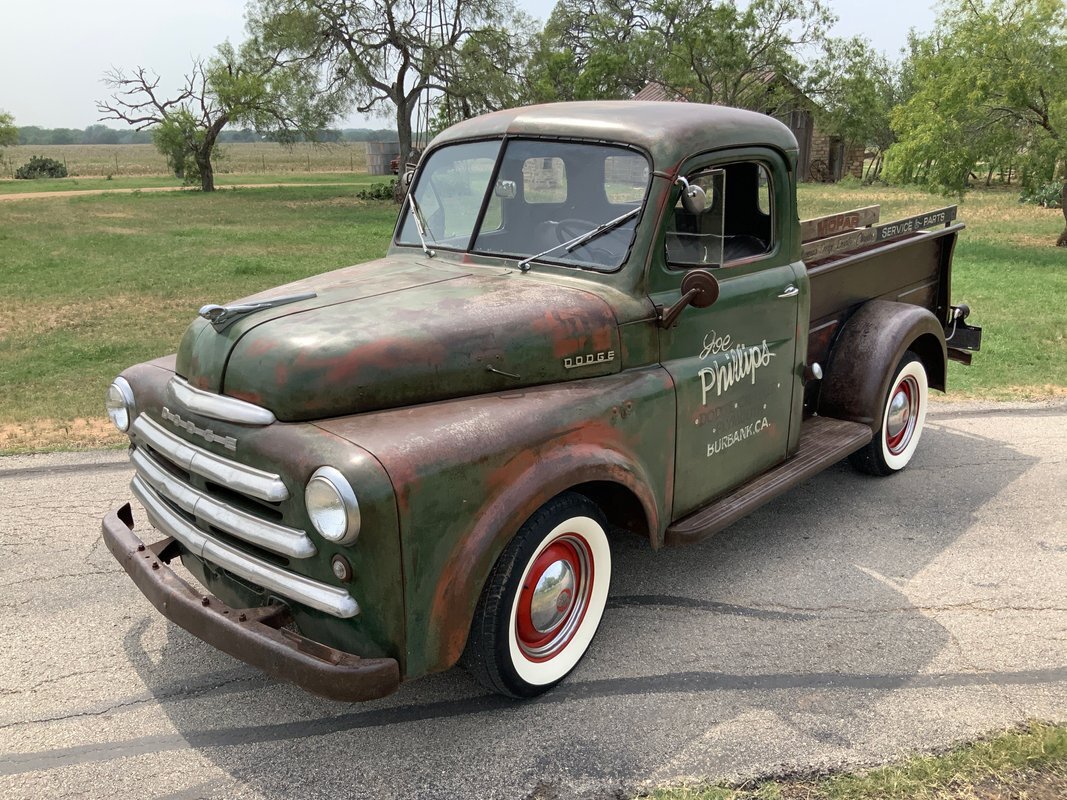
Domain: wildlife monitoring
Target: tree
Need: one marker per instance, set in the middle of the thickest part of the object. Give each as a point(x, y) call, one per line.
point(248, 87)
point(990, 87)
point(382, 53)
point(746, 58)
point(857, 89)
point(709, 51)
point(9, 134)
point(593, 50)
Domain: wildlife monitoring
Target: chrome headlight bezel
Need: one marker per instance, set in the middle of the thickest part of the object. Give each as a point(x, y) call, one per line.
point(340, 524)
point(118, 402)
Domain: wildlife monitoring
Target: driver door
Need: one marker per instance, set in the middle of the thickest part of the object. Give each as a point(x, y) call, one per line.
point(734, 363)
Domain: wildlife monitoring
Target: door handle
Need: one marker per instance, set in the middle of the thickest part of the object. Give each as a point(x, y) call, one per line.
point(790, 291)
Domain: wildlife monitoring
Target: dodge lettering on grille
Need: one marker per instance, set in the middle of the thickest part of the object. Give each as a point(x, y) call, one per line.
point(208, 435)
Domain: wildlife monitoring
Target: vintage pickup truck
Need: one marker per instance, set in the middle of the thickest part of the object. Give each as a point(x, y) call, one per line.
point(594, 318)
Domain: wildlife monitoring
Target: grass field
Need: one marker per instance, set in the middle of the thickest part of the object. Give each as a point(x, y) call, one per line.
point(52, 185)
point(1007, 268)
point(143, 159)
point(1025, 764)
point(92, 284)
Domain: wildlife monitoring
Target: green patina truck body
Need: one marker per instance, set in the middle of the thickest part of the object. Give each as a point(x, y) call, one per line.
point(594, 318)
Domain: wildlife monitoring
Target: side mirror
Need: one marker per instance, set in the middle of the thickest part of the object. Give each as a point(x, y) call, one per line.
point(409, 176)
point(699, 289)
point(694, 199)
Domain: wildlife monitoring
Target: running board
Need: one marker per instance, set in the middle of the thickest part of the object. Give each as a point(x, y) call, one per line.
point(823, 441)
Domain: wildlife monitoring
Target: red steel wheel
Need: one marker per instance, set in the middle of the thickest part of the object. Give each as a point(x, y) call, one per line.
point(544, 600)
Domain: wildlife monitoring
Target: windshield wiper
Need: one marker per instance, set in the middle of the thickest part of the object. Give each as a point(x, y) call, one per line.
point(573, 244)
point(420, 226)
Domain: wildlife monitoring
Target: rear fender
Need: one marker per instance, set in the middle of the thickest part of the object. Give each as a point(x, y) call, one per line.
point(867, 351)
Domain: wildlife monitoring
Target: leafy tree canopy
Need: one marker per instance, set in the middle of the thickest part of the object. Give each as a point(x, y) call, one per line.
point(396, 55)
point(9, 134)
point(990, 86)
point(710, 51)
point(252, 86)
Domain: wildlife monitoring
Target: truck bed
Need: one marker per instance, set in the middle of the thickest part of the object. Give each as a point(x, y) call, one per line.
point(851, 259)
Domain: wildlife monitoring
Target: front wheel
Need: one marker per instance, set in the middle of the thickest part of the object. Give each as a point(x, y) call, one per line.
point(903, 416)
point(543, 601)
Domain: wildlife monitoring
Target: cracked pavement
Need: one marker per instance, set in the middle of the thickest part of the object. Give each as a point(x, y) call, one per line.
point(847, 622)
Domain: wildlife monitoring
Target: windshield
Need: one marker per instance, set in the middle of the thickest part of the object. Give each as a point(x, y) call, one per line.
point(531, 199)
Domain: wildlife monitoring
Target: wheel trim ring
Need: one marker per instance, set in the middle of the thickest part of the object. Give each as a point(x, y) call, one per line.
point(898, 443)
point(539, 647)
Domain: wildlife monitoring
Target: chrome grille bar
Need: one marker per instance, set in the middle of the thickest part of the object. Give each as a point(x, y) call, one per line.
point(330, 599)
point(269, 535)
point(231, 474)
point(217, 406)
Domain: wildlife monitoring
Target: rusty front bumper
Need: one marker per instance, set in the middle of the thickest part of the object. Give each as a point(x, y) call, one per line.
point(254, 635)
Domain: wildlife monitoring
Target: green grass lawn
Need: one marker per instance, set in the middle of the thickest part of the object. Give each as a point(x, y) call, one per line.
point(154, 181)
point(1030, 762)
point(92, 284)
point(1007, 268)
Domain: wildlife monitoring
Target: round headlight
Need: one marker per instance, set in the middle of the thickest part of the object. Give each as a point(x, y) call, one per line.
point(332, 505)
point(119, 403)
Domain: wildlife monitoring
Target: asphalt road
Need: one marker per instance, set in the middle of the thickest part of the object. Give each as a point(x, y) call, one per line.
point(848, 622)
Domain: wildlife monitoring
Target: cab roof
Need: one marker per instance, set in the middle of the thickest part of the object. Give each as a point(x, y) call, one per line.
point(669, 131)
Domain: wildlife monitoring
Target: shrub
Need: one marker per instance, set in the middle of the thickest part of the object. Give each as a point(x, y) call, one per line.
point(38, 167)
point(378, 191)
point(1047, 195)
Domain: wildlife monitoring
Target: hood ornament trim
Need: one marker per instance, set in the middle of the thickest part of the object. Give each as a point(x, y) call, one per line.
point(222, 317)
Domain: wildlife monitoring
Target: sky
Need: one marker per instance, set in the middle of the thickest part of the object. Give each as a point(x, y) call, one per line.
point(52, 77)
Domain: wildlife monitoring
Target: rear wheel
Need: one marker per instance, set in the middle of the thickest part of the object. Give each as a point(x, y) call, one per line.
point(903, 416)
point(543, 601)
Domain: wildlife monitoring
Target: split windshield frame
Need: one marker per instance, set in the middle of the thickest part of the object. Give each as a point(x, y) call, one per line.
point(487, 197)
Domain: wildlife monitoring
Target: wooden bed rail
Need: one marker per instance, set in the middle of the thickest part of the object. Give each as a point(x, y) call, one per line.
point(824, 236)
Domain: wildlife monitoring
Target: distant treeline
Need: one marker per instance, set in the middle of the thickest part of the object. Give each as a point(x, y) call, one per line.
point(101, 134)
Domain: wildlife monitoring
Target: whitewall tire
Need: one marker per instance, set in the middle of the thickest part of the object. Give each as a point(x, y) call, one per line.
point(901, 423)
point(543, 601)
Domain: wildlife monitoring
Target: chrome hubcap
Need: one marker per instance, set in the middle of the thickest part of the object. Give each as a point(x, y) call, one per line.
point(901, 416)
point(553, 596)
point(899, 413)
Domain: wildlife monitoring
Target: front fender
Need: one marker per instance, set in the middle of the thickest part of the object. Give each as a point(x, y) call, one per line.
point(468, 473)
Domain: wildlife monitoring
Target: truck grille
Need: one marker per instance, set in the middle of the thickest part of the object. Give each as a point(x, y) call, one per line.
point(235, 503)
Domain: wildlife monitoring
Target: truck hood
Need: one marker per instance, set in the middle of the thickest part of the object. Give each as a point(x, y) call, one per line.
point(398, 332)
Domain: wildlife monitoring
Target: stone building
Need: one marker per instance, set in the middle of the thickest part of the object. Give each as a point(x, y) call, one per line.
point(824, 156)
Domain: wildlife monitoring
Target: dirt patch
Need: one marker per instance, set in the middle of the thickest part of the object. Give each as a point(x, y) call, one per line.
point(344, 201)
point(120, 231)
point(1031, 240)
point(53, 434)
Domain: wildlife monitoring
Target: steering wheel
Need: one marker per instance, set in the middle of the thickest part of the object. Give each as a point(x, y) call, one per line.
point(572, 228)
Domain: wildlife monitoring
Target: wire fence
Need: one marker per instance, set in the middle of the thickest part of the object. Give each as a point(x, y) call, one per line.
point(101, 160)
